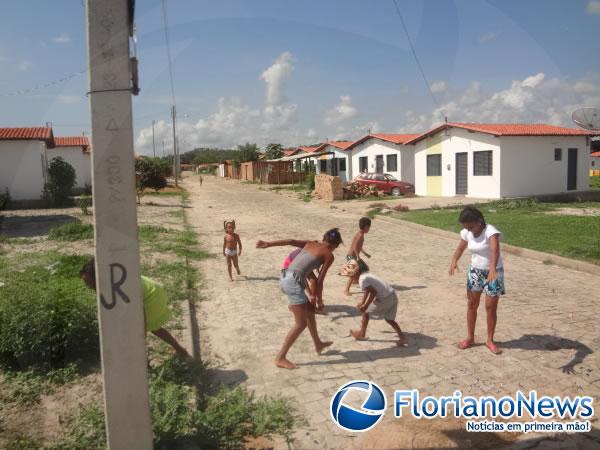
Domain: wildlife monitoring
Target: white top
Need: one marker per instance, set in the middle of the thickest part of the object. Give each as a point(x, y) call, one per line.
point(382, 289)
point(480, 247)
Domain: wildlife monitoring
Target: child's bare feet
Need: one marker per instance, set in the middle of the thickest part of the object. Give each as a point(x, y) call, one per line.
point(347, 293)
point(285, 364)
point(357, 335)
point(238, 270)
point(322, 346)
point(402, 341)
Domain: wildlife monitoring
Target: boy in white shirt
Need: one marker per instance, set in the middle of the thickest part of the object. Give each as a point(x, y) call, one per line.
point(379, 300)
point(485, 274)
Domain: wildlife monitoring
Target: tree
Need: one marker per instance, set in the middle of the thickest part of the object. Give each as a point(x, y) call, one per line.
point(150, 173)
point(274, 151)
point(61, 180)
point(247, 152)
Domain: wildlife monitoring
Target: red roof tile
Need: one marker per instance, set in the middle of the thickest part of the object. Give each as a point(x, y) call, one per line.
point(290, 151)
point(509, 129)
point(71, 141)
point(28, 133)
point(342, 145)
point(597, 154)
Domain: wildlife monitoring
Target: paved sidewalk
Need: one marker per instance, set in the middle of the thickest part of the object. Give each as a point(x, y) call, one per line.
point(547, 324)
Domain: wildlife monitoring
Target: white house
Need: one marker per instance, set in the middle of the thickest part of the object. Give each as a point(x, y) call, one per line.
point(384, 153)
point(23, 161)
point(75, 150)
point(500, 160)
point(334, 159)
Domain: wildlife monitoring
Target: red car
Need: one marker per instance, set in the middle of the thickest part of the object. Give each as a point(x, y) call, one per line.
point(385, 182)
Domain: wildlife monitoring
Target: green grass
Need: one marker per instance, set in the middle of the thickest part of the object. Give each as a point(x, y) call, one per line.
point(595, 183)
point(524, 224)
point(72, 231)
point(163, 193)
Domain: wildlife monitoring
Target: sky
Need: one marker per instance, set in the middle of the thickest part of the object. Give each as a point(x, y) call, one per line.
point(303, 72)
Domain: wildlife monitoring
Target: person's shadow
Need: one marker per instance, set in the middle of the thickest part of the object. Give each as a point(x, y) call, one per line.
point(416, 343)
point(551, 343)
point(399, 287)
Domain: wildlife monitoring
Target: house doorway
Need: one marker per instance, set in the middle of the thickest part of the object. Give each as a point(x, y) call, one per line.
point(379, 164)
point(462, 174)
point(334, 167)
point(572, 170)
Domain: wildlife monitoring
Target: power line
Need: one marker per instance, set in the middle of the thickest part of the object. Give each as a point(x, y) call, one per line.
point(412, 49)
point(45, 85)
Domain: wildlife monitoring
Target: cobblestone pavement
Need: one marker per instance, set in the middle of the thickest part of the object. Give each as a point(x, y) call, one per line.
point(547, 323)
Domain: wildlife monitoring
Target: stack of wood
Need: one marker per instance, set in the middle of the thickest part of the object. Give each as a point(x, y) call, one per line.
point(353, 190)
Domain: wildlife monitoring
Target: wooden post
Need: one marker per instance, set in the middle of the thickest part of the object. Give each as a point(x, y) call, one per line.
point(120, 308)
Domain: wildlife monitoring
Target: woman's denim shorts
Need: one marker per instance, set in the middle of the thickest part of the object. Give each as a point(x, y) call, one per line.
point(292, 288)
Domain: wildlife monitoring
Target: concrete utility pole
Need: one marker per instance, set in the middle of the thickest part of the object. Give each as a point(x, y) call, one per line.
point(175, 149)
point(120, 307)
point(153, 145)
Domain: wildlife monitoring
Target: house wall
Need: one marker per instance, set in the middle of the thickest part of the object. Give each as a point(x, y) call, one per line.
point(529, 167)
point(22, 170)
point(80, 161)
point(373, 147)
point(339, 154)
point(448, 143)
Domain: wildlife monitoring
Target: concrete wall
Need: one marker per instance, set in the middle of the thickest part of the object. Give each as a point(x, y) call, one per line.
point(22, 169)
point(594, 162)
point(529, 168)
point(373, 147)
point(80, 161)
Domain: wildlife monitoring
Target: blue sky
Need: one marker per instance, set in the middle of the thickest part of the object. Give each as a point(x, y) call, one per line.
point(302, 72)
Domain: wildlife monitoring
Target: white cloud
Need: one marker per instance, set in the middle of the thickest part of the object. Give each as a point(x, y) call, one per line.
point(62, 38)
point(234, 123)
point(275, 78)
point(439, 87)
point(593, 7)
point(68, 99)
point(487, 37)
point(344, 110)
point(535, 99)
point(24, 65)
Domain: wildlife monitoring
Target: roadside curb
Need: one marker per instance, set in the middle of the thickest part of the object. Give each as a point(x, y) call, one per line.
point(546, 258)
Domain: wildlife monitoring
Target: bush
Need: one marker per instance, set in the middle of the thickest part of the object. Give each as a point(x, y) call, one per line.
point(86, 431)
point(309, 180)
point(47, 315)
point(61, 180)
point(151, 173)
point(72, 231)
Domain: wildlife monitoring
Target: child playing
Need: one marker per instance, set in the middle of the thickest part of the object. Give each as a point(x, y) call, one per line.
point(156, 311)
point(230, 247)
point(311, 280)
point(485, 274)
point(379, 300)
point(364, 225)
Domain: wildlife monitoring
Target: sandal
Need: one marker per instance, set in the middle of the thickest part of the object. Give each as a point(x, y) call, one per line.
point(463, 345)
point(493, 348)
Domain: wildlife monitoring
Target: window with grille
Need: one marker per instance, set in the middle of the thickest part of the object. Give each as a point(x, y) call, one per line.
point(323, 168)
point(557, 154)
point(434, 165)
point(482, 163)
point(363, 164)
point(342, 164)
point(391, 163)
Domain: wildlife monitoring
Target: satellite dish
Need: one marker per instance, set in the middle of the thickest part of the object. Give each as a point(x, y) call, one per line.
point(588, 118)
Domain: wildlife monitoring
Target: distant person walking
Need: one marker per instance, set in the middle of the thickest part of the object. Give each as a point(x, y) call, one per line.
point(313, 255)
point(485, 274)
point(200, 179)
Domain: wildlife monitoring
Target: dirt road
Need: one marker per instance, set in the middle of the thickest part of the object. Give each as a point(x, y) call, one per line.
point(546, 323)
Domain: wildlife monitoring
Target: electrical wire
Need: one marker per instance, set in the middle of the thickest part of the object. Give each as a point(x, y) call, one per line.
point(414, 53)
point(45, 85)
point(168, 45)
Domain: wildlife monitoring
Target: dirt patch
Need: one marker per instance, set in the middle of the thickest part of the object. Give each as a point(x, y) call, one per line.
point(575, 212)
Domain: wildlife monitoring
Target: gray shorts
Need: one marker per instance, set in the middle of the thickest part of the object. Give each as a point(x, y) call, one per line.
point(292, 288)
point(385, 308)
